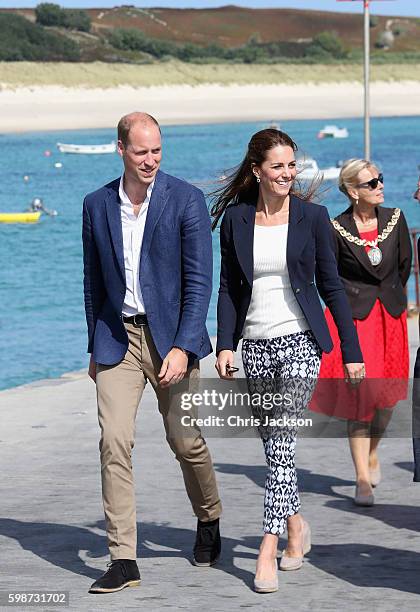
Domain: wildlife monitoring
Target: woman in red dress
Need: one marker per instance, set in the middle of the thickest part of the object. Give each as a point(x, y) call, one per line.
point(373, 252)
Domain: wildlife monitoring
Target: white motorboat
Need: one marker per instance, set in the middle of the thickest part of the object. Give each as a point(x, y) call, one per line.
point(333, 131)
point(99, 149)
point(308, 169)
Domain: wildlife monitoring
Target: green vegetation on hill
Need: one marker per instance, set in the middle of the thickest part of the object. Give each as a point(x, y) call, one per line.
point(222, 36)
point(22, 40)
point(48, 14)
point(326, 47)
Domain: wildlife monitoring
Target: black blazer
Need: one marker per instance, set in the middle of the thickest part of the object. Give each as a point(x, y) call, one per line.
point(310, 252)
point(365, 283)
point(416, 404)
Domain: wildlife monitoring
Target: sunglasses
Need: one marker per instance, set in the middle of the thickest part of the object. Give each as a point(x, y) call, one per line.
point(373, 183)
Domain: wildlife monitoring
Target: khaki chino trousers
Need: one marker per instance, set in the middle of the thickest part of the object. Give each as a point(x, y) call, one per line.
point(119, 390)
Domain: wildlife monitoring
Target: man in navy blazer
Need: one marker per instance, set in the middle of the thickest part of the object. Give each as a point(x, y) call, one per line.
point(147, 286)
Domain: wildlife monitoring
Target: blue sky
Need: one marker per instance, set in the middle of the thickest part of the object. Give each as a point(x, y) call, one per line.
point(379, 7)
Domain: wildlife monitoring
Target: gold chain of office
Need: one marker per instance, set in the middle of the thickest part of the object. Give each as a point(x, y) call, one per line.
point(362, 241)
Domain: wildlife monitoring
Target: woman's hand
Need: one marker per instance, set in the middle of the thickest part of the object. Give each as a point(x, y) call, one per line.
point(224, 358)
point(355, 372)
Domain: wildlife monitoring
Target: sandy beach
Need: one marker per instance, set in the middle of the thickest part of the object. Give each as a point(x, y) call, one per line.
point(56, 107)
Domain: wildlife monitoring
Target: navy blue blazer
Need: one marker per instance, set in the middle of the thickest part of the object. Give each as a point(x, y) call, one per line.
point(175, 270)
point(309, 255)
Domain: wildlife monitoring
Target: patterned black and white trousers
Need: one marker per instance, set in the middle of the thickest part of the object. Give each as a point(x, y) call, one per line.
point(288, 367)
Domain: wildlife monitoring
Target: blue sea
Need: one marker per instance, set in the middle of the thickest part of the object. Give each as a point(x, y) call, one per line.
point(42, 324)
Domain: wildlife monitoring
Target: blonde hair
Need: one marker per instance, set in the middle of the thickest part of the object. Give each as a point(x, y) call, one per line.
point(349, 172)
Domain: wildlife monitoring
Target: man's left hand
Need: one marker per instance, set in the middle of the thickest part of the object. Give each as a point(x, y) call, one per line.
point(173, 368)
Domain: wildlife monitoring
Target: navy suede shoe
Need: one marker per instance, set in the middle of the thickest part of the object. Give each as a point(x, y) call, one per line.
point(121, 573)
point(207, 544)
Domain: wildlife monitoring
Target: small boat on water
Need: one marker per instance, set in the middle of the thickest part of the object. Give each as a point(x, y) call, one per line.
point(308, 169)
point(22, 217)
point(96, 149)
point(333, 131)
point(32, 215)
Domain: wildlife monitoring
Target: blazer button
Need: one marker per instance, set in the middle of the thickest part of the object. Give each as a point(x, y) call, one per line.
point(297, 290)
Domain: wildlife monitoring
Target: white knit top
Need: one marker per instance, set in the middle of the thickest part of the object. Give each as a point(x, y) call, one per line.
point(274, 310)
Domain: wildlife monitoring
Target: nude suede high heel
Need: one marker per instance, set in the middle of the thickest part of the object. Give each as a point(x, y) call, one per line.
point(375, 476)
point(363, 500)
point(288, 564)
point(267, 586)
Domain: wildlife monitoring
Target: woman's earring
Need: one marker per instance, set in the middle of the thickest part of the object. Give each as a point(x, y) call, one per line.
point(356, 202)
point(258, 178)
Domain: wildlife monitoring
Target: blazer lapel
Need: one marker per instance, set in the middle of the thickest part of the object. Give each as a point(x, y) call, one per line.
point(384, 215)
point(156, 206)
point(382, 219)
point(243, 237)
point(113, 213)
point(297, 233)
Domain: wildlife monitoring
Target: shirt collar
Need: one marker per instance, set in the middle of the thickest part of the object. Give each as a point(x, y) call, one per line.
point(124, 197)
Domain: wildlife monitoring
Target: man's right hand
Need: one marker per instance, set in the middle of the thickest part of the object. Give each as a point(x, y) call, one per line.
point(223, 359)
point(92, 369)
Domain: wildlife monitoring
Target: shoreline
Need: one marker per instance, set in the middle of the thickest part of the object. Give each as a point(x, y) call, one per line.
point(71, 375)
point(54, 107)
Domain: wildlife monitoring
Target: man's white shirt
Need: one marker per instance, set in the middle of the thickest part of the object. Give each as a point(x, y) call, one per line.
point(133, 231)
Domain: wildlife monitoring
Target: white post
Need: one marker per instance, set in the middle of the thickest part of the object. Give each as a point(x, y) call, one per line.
point(367, 81)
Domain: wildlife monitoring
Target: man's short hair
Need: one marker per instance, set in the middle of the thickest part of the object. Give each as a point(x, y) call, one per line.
point(125, 124)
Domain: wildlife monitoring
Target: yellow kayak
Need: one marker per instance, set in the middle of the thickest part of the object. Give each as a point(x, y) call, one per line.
point(24, 217)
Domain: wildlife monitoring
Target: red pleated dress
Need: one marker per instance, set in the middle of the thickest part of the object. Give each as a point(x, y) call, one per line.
point(384, 343)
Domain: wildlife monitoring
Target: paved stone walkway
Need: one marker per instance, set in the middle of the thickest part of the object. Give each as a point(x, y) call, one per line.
point(52, 531)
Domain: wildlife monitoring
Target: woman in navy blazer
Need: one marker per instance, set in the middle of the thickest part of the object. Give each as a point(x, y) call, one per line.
point(277, 253)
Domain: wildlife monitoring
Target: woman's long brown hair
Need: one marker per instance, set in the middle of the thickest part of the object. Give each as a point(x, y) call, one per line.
point(241, 184)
